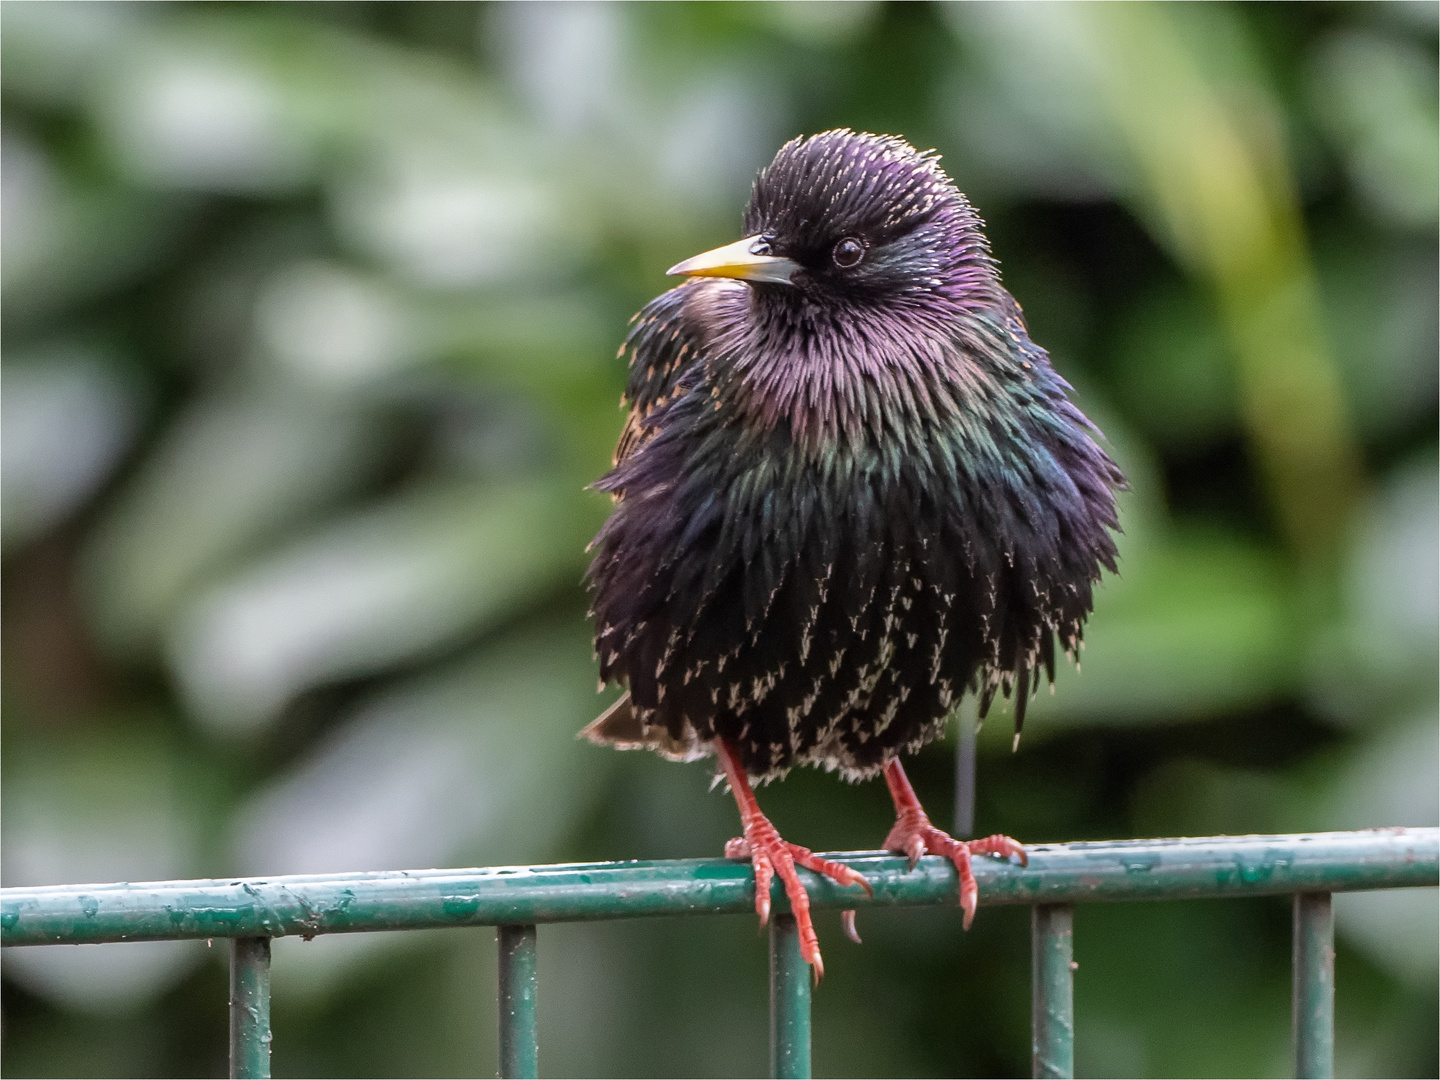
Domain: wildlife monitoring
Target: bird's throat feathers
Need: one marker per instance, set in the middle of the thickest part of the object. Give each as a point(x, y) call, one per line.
point(832, 375)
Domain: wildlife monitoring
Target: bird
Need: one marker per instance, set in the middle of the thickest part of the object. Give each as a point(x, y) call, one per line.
point(849, 490)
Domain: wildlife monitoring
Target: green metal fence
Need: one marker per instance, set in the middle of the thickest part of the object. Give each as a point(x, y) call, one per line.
point(251, 911)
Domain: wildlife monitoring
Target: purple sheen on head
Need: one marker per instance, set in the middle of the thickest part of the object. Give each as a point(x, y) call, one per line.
point(919, 232)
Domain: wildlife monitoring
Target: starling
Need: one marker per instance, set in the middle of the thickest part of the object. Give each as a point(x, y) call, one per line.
point(849, 489)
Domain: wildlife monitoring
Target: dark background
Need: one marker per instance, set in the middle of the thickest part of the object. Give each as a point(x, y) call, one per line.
point(310, 313)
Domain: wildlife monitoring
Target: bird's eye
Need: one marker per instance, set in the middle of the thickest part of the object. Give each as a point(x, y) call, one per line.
point(848, 253)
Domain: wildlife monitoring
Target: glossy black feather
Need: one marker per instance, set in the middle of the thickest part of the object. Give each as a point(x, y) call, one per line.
point(843, 504)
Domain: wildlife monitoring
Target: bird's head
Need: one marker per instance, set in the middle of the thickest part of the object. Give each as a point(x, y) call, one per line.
point(856, 216)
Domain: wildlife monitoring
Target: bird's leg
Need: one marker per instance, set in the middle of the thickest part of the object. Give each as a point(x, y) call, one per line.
point(771, 856)
point(913, 835)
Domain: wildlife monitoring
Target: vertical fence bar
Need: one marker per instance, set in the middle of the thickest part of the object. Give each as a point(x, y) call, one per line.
point(1052, 990)
point(965, 776)
point(1312, 993)
point(250, 1007)
point(519, 1038)
point(789, 1001)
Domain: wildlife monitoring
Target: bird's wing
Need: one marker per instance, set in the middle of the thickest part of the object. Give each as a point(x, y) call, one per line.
point(665, 341)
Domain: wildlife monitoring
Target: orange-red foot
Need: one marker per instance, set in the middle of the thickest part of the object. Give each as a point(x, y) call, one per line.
point(913, 835)
point(773, 857)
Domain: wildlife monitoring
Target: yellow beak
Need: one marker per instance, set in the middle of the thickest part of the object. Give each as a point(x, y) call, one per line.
point(737, 260)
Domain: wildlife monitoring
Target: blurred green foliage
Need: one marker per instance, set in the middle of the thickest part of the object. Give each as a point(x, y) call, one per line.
point(311, 313)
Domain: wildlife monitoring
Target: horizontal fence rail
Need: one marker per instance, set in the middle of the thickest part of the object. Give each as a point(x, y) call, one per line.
point(251, 911)
point(307, 905)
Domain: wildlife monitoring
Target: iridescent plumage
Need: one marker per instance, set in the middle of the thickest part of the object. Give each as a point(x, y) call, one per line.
point(845, 501)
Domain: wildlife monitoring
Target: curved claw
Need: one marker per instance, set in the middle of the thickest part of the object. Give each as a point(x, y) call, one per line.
point(847, 923)
point(1001, 845)
point(969, 891)
point(914, 850)
point(914, 835)
point(764, 874)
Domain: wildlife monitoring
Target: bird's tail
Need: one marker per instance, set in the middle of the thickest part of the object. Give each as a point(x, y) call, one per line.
point(617, 726)
point(620, 727)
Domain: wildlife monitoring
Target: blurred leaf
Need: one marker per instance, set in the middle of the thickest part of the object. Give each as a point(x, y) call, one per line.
point(1173, 371)
point(1381, 652)
point(121, 803)
point(1375, 96)
point(1195, 625)
point(476, 764)
point(1382, 304)
point(393, 583)
point(52, 52)
point(334, 329)
point(67, 418)
point(228, 474)
point(68, 237)
point(195, 112)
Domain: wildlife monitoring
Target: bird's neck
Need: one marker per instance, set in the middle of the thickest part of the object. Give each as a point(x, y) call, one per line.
point(854, 372)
